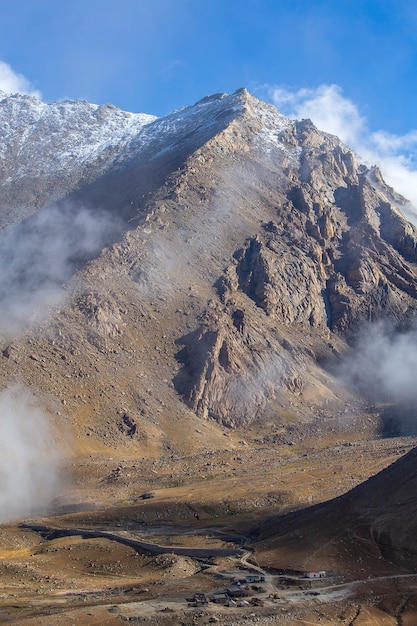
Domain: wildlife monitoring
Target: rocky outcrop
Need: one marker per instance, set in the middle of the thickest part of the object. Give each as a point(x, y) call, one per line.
point(103, 316)
point(231, 370)
point(281, 280)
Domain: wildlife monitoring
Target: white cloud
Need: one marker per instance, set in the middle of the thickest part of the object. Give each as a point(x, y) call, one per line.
point(325, 106)
point(332, 112)
point(11, 82)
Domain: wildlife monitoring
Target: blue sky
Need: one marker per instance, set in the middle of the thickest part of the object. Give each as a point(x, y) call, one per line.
point(358, 58)
point(153, 56)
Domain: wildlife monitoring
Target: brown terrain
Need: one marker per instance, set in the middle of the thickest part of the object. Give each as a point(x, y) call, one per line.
point(208, 417)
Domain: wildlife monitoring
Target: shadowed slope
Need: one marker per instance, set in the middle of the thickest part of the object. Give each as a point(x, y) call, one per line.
point(371, 529)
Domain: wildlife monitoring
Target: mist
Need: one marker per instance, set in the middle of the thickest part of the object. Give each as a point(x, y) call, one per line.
point(382, 365)
point(28, 459)
point(38, 255)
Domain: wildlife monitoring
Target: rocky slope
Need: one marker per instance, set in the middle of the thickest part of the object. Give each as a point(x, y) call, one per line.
point(373, 524)
point(212, 261)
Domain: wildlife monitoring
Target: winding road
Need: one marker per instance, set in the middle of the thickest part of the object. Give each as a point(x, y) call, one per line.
point(50, 533)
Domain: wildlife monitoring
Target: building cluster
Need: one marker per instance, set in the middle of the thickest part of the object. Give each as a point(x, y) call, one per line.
point(235, 595)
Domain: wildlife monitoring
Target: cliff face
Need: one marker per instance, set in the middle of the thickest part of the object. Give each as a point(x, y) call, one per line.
point(237, 249)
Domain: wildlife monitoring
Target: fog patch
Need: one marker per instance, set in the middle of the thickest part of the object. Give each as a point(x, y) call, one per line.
point(382, 365)
point(28, 463)
point(38, 255)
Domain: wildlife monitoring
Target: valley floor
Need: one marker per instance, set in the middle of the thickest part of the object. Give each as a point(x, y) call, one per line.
point(82, 562)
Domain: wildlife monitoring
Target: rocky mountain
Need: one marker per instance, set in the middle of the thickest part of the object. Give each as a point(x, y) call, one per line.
point(207, 323)
point(205, 266)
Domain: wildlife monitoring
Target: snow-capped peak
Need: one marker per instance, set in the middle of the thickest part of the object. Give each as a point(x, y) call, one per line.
point(53, 136)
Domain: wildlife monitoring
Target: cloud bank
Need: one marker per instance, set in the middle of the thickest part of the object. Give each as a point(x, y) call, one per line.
point(11, 82)
point(332, 112)
point(384, 362)
point(28, 464)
